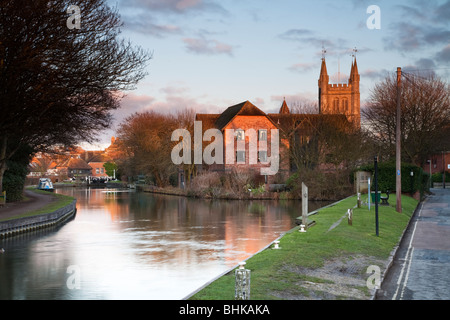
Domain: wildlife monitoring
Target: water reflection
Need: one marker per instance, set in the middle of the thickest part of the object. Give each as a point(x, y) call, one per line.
point(129, 245)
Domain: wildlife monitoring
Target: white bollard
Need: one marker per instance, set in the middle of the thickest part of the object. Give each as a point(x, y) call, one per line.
point(276, 245)
point(302, 228)
point(242, 285)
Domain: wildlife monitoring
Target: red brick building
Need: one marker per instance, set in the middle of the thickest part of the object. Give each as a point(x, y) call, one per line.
point(439, 163)
point(339, 106)
point(251, 147)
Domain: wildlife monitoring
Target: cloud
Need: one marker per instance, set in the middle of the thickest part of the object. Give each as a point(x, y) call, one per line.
point(202, 45)
point(144, 16)
point(423, 67)
point(308, 38)
point(145, 24)
point(295, 34)
point(171, 98)
point(418, 29)
point(175, 6)
point(443, 55)
point(374, 74)
point(303, 67)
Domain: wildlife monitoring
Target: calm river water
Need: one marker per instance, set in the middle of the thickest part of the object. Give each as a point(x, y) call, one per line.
point(133, 245)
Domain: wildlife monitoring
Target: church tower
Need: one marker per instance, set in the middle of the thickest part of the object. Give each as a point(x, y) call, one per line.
point(340, 98)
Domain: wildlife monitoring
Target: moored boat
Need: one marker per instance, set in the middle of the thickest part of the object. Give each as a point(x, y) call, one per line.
point(45, 184)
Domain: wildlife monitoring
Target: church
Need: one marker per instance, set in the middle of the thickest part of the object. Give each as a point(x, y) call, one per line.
point(339, 106)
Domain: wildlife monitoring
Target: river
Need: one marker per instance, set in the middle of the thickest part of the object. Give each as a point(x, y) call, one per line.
point(135, 245)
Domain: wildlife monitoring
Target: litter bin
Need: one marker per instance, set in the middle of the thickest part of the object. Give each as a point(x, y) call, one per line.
point(373, 196)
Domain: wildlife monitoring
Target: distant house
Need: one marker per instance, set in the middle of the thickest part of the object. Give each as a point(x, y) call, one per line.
point(76, 168)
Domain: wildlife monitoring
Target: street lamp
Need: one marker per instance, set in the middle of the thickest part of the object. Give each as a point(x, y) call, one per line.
point(412, 183)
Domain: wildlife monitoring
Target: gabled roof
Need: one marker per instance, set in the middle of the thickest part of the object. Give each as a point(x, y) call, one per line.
point(245, 108)
point(77, 163)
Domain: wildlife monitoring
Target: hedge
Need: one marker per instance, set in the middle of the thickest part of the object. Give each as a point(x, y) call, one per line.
point(387, 177)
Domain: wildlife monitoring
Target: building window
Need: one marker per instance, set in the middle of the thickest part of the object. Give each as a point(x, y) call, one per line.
point(240, 156)
point(240, 135)
point(97, 171)
point(262, 156)
point(336, 105)
point(262, 135)
point(102, 170)
point(345, 104)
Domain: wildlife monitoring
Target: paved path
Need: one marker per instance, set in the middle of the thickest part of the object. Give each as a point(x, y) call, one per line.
point(421, 268)
point(34, 201)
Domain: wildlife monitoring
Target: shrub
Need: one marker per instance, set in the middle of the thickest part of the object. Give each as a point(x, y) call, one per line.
point(437, 177)
point(206, 184)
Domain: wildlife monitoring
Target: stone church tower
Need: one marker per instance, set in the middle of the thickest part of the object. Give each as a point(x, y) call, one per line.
point(340, 98)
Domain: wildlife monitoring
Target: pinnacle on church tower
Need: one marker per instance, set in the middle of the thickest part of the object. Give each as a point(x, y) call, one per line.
point(284, 108)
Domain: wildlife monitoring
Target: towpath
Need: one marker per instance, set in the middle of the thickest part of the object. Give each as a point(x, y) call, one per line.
point(33, 201)
point(421, 267)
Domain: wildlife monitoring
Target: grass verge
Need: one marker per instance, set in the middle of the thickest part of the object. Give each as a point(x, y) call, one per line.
point(323, 263)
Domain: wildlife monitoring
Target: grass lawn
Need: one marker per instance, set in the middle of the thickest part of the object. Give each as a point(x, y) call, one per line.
point(311, 265)
point(59, 201)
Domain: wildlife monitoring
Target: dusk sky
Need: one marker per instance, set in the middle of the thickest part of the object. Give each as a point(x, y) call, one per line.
point(209, 55)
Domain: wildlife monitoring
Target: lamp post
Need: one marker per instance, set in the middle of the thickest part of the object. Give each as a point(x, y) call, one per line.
point(429, 162)
point(376, 193)
point(412, 183)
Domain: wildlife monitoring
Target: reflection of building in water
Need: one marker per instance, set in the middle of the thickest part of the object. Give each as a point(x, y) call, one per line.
point(257, 225)
point(183, 231)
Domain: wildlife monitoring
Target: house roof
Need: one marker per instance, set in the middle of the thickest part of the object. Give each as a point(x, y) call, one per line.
point(245, 108)
point(77, 163)
point(208, 120)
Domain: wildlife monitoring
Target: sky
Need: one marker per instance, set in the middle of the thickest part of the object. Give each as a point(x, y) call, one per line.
point(210, 54)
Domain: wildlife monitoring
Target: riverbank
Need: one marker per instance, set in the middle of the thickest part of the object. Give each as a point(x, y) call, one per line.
point(249, 195)
point(330, 261)
point(39, 209)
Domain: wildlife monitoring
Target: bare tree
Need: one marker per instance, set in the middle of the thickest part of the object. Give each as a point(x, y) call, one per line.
point(425, 124)
point(147, 137)
point(59, 85)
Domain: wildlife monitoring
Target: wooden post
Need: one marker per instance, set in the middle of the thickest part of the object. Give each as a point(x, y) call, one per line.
point(305, 205)
point(350, 217)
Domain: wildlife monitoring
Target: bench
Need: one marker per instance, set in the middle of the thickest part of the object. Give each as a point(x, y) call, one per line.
point(384, 200)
